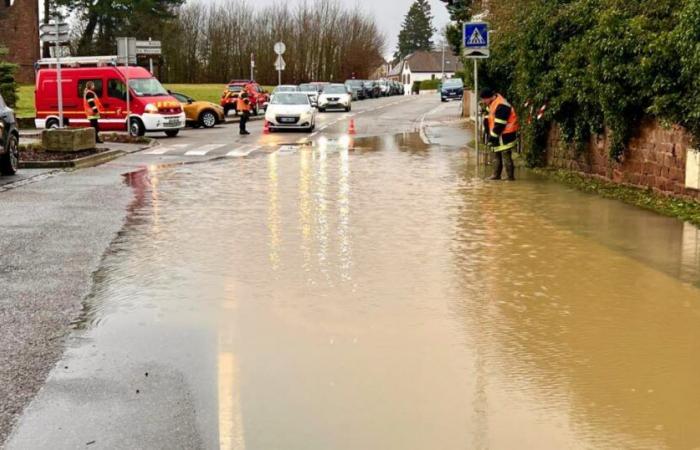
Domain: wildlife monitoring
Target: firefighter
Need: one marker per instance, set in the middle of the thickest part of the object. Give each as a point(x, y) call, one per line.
point(502, 128)
point(243, 106)
point(93, 108)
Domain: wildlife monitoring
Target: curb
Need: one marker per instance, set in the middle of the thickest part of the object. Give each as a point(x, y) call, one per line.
point(81, 163)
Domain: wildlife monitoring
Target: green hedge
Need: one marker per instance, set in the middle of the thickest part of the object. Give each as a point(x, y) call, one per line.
point(429, 85)
point(598, 64)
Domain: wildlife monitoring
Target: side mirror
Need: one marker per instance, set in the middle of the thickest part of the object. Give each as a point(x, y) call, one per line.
point(190, 101)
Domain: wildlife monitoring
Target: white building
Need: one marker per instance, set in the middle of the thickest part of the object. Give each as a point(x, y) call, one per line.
point(422, 66)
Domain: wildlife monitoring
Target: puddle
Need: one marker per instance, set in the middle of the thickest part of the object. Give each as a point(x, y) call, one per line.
point(375, 293)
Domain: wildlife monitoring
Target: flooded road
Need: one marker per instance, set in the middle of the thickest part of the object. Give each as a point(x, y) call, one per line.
point(377, 294)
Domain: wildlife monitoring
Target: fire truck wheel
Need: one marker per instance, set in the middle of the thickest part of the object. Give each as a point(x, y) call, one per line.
point(52, 123)
point(136, 128)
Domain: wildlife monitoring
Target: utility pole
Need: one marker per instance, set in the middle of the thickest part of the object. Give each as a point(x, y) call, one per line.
point(443, 60)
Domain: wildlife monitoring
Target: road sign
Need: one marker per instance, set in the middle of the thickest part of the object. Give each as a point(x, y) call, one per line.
point(53, 38)
point(55, 32)
point(476, 40)
point(148, 48)
point(476, 35)
point(126, 50)
point(280, 48)
point(46, 28)
point(477, 53)
point(280, 64)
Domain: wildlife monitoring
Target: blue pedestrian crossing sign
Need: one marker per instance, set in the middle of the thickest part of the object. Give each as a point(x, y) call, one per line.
point(476, 40)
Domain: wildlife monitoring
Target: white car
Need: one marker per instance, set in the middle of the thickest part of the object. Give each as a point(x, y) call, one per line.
point(311, 91)
point(335, 96)
point(291, 111)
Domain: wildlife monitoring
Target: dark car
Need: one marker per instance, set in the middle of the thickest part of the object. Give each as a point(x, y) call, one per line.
point(9, 151)
point(452, 89)
point(372, 89)
point(356, 87)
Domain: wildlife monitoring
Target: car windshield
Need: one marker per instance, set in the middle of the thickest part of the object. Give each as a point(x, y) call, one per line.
point(453, 83)
point(354, 83)
point(147, 87)
point(235, 88)
point(335, 89)
point(307, 88)
point(290, 98)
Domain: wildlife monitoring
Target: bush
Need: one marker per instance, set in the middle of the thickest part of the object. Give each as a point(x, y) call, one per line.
point(430, 85)
point(8, 86)
point(597, 64)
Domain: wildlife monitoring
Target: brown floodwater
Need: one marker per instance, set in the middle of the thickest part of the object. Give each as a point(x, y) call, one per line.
point(378, 294)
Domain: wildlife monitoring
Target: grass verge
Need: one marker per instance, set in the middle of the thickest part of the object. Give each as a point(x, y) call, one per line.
point(25, 101)
point(205, 92)
point(687, 210)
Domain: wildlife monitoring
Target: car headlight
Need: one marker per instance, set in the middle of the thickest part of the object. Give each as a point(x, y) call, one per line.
point(151, 109)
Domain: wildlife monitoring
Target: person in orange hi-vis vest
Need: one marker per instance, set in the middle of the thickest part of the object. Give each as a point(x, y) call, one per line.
point(502, 132)
point(243, 106)
point(93, 108)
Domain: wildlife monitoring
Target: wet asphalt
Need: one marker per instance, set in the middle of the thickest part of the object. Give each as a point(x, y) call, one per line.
point(55, 229)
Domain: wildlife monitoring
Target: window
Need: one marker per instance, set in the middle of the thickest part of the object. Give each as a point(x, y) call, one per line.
point(179, 97)
point(116, 89)
point(83, 83)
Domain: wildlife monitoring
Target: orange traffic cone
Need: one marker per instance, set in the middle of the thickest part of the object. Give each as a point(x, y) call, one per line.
point(351, 130)
point(266, 128)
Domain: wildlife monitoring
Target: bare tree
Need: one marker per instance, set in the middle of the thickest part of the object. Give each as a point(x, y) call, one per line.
point(213, 42)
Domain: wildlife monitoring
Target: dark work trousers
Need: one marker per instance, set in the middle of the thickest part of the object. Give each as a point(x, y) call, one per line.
point(95, 123)
point(498, 158)
point(245, 116)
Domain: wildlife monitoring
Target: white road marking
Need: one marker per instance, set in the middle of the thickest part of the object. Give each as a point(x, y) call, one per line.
point(165, 149)
point(242, 151)
point(203, 150)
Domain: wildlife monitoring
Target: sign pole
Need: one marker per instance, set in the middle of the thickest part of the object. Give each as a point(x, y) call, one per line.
point(476, 110)
point(128, 101)
point(59, 81)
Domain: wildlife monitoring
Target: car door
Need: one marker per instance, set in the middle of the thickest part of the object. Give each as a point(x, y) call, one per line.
point(115, 105)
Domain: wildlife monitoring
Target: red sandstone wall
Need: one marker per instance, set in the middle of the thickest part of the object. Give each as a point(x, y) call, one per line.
point(19, 32)
point(655, 158)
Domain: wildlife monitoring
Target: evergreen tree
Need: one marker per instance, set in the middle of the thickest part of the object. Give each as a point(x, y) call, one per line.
point(8, 85)
point(417, 30)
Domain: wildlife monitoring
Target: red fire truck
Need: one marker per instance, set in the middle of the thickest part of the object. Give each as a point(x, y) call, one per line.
point(152, 109)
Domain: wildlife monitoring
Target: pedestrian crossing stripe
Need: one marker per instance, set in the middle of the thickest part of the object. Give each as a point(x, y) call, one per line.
point(203, 150)
point(165, 149)
point(476, 38)
point(242, 151)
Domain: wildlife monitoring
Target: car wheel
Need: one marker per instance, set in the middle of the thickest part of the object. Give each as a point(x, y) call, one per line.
point(207, 119)
point(9, 163)
point(52, 124)
point(136, 128)
point(321, 109)
point(348, 109)
point(171, 133)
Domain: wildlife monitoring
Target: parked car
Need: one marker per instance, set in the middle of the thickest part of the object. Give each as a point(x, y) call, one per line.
point(384, 89)
point(335, 96)
point(285, 88)
point(200, 113)
point(151, 107)
point(311, 91)
point(291, 111)
point(372, 89)
point(452, 89)
point(9, 149)
point(259, 96)
point(356, 87)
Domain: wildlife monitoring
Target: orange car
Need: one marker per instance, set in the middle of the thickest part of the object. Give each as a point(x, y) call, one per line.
point(200, 113)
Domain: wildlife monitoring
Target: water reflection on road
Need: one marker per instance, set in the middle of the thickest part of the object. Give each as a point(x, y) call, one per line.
point(374, 294)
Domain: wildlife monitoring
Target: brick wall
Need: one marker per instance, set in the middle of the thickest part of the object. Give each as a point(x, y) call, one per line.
point(19, 32)
point(655, 158)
